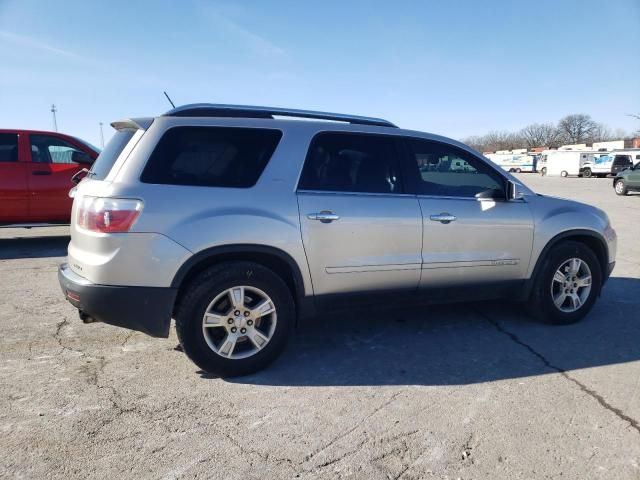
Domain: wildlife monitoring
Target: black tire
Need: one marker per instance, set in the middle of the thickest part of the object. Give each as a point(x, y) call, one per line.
point(209, 284)
point(564, 174)
point(620, 187)
point(540, 304)
point(543, 171)
point(587, 173)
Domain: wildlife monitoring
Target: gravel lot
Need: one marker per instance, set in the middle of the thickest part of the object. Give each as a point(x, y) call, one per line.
point(463, 391)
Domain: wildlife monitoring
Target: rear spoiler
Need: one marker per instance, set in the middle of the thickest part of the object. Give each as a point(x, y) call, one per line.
point(133, 123)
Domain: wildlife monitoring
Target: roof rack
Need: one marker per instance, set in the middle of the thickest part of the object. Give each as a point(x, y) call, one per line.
point(249, 111)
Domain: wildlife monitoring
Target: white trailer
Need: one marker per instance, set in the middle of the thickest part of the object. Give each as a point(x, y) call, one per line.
point(513, 162)
point(564, 162)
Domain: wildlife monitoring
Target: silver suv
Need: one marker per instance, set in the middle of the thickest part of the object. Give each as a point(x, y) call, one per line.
point(239, 221)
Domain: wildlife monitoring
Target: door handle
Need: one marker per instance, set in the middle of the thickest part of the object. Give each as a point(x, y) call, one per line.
point(443, 218)
point(41, 172)
point(324, 216)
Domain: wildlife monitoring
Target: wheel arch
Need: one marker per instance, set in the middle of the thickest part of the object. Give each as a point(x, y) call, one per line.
point(590, 238)
point(271, 257)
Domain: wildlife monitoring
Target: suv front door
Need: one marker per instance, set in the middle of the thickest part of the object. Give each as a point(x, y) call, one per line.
point(472, 233)
point(361, 231)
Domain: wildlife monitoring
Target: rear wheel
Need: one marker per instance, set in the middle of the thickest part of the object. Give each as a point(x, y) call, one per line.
point(620, 187)
point(235, 318)
point(518, 170)
point(567, 286)
point(543, 171)
point(564, 173)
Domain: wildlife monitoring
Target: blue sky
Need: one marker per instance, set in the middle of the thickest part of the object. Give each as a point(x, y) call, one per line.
point(456, 67)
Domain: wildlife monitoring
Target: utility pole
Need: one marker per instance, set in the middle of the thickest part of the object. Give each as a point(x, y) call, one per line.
point(55, 122)
point(101, 136)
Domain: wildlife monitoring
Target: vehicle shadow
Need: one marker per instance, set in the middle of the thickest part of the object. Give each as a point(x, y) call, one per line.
point(33, 247)
point(456, 344)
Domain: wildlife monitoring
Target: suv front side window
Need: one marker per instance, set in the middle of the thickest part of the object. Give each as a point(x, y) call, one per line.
point(352, 162)
point(444, 170)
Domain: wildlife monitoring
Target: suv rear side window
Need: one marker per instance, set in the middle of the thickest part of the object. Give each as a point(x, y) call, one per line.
point(8, 147)
point(103, 164)
point(211, 156)
point(446, 171)
point(345, 162)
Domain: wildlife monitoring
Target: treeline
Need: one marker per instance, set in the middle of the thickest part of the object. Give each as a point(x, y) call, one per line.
point(576, 128)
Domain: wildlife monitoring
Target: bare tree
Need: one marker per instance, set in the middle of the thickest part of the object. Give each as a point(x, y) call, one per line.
point(577, 128)
point(540, 135)
point(601, 133)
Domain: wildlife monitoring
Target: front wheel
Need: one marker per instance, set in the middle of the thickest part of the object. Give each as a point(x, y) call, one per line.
point(620, 187)
point(235, 318)
point(587, 172)
point(567, 286)
point(543, 171)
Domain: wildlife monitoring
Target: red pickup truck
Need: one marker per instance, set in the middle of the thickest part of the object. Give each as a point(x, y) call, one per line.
point(35, 175)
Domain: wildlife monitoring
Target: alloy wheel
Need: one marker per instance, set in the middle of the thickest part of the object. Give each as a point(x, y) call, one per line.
point(239, 322)
point(571, 285)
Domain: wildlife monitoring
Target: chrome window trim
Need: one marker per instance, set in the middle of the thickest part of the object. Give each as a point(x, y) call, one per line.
point(359, 194)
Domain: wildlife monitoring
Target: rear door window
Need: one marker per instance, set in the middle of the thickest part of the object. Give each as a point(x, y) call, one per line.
point(347, 162)
point(211, 156)
point(8, 147)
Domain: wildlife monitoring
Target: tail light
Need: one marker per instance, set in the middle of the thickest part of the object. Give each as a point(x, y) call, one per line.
point(108, 215)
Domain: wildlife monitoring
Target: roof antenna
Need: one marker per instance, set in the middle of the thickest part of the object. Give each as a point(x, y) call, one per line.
point(165, 94)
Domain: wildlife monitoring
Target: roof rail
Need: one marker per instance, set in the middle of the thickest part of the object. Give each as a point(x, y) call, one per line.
point(249, 111)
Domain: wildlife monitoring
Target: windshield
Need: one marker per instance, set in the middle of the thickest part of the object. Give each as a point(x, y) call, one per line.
point(113, 149)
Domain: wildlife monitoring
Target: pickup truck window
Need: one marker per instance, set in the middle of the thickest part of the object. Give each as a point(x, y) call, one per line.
point(50, 149)
point(8, 147)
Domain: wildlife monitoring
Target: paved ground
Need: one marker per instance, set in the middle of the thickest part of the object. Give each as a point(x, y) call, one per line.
point(465, 391)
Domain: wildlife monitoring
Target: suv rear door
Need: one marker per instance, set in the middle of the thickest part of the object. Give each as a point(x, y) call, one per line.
point(14, 206)
point(53, 163)
point(472, 233)
point(361, 231)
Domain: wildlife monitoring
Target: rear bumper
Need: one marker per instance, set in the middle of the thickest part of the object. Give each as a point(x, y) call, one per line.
point(145, 309)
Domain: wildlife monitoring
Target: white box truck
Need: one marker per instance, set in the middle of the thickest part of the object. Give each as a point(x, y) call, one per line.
point(513, 162)
point(563, 162)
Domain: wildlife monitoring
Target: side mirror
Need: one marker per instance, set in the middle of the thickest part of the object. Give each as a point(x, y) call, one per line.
point(81, 157)
point(79, 176)
point(514, 191)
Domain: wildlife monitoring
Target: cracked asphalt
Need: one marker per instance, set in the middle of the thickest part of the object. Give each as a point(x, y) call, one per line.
point(468, 391)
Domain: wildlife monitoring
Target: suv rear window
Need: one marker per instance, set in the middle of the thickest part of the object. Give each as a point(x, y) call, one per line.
point(102, 166)
point(211, 156)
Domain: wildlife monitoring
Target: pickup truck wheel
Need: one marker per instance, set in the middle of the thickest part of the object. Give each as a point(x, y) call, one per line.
point(567, 286)
point(620, 187)
point(543, 171)
point(587, 173)
point(235, 318)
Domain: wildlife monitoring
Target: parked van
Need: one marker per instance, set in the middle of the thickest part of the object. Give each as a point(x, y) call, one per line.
point(564, 162)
